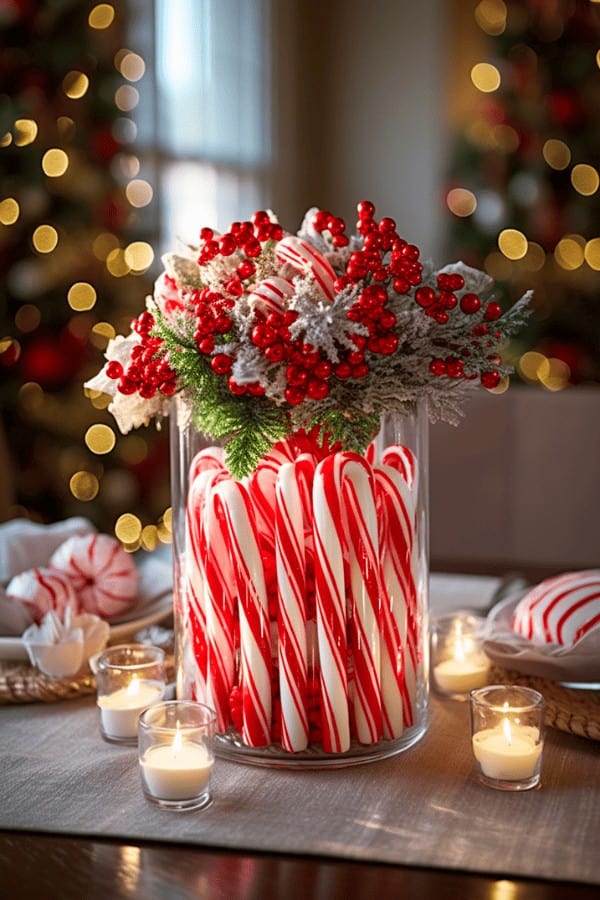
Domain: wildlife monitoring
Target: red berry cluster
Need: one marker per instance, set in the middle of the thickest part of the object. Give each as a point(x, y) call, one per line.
point(147, 370)
point(324, 221)
point(307, 373)
point(403, 269)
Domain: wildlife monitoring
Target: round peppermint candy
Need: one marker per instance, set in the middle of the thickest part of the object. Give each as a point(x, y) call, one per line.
point(103, 574)
point(560, 610)
point(43, 590)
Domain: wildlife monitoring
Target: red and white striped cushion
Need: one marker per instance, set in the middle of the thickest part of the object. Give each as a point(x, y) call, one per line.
point(103, 574)
point(560, 610)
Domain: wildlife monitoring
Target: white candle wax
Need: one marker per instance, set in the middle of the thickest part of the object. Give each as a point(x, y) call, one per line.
point(459, 676)
point(508, 754)
point(119, 711)
point(176, 771)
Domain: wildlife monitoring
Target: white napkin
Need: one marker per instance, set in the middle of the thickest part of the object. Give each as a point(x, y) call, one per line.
point(25, 544)
point(60, 649)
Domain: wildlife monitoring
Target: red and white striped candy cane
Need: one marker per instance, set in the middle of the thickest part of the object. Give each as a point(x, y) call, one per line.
point(331, 605)
point(192, 587)
point(404, 461)
point(360, 518)
point(255, 639)
point(261, 488)
point(291, 579)
point(206, 460)
point(397, 555)
point(220, 598)
point(303, 257)
point(271, 295)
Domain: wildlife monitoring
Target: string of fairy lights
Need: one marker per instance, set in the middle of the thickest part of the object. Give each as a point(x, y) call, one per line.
point(515, 255)
point(48, 240)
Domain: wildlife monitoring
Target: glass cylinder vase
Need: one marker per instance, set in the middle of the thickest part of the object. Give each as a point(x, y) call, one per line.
point(301, 594)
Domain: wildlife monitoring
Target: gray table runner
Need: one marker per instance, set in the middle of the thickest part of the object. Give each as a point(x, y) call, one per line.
point(421, 808)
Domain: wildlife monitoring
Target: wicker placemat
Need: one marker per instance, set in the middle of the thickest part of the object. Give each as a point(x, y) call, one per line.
point(573, 710)
point(23, 683)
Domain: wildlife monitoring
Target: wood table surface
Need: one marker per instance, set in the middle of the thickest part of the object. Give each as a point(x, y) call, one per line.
point(50, 867)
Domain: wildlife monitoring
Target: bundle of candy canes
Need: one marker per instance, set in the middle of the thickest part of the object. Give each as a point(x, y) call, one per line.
point(300, 595)
point(268, 332)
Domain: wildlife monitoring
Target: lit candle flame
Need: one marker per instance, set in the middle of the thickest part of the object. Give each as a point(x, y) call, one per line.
point(133, 688)
point(507, 731)
point(176, 745)
point(459, 651)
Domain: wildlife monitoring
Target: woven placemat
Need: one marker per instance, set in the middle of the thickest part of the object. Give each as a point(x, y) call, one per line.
point(23, 683)
point(567, 709)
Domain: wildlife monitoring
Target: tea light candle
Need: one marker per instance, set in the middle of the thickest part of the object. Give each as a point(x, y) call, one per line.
point(507, 735)
point(508, 753)
point(458, 663)
point(177, 771)
point(119, 711)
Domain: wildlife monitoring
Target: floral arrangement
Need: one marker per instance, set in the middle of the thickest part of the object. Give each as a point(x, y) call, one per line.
point(268, 333)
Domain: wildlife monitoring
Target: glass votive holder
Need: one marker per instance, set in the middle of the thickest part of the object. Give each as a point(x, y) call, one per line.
point(176, 754)
point(458, 663)
point(507, 733)
point(129, 677)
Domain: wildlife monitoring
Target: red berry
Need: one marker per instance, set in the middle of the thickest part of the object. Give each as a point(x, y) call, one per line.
point(114, 369)
point(470, 304)
point(320, 220)
point(336, 225)
point(252, 248)
point(493, 311)
point(387, 225)
point(388, 344)
point(206, 234)
point(365, 209)
point(227, 244)
point(437, 367)
point(260, 217)
point(296, 376)
point(343, 370)
point(317, 389)
point(490, 379)
point(294, 395)
point(221, 363)
point(235, 388)
point(425, 296)
point(246, 268)
point(340, 240)
point(207, 345)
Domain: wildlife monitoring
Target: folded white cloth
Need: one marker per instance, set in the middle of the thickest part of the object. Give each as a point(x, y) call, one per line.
point(61, 648)
point(25, 544)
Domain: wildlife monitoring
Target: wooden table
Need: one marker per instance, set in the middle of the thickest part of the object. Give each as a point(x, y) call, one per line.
point(45, 867)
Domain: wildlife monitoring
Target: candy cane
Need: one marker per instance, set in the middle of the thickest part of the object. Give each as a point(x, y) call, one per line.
point(271, 295)
point(219, 603)
point(404, 461)
point(397, 558)
point(255, 640)
point(331, 606)
point(261, 488)
point(291, 577)
point(207, 459)
point(303, 257)
point(360, 517)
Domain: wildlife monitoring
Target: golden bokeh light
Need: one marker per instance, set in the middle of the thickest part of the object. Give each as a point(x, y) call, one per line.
point(100, 439)
point(81, 296)
point(116, 264)
point(585, 179)
point(130, 65)
point(26, 131)
point(501, 387)
point(598, 59)
point(129, 165)
point(485, 77)
point(66, 127)
point(555, 374)
point(512, 243)
point(27, 318)
point(45, 238)
point(84, 486)
point(103, 244)
point(10, 348)
point(569, 253)
point(497, 266)
point(101, 334)
point(139, 256)
point(530, 365)
point(9, 211)
point(592, 254)
point(128, 528)
point(506, 138)
point(461, 202)
point(101, 16)
point(126, 98)
point(75, 84)
point(139, 193)
point(55, 162)
point(165, 527)
point(535, 258)
point(490, 15)
point(31, 396)
point(149, 537)
point(556, 153)
point(6, 139)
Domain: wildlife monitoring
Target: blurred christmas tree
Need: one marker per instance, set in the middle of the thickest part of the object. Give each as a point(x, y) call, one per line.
point(523, 183)
point(73, 270)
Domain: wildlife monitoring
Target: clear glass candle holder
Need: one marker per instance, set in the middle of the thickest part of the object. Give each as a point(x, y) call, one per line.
point(129, 678)
point(176, 754)
point(507, 733)
point(458, 663)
